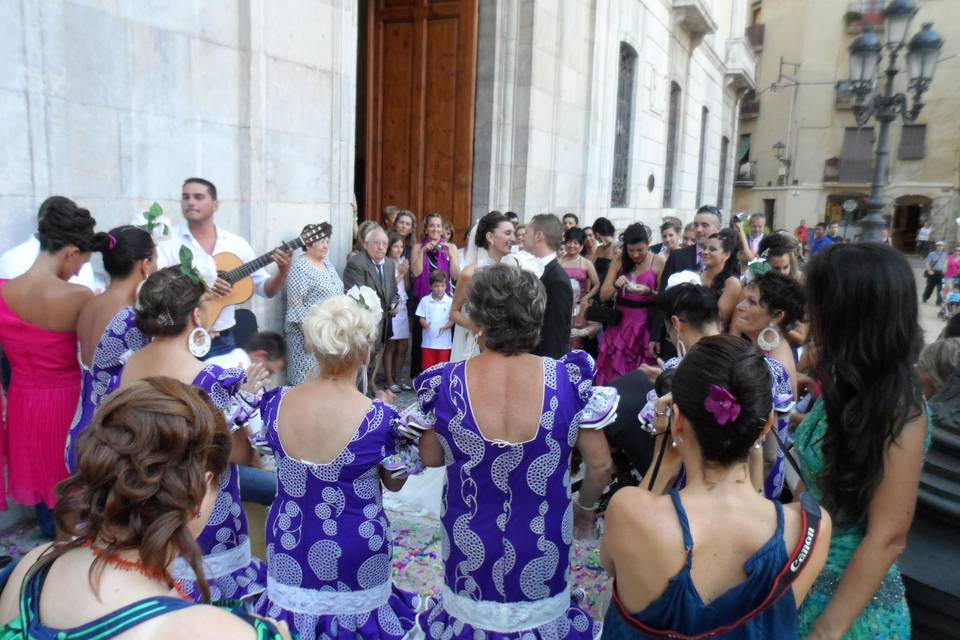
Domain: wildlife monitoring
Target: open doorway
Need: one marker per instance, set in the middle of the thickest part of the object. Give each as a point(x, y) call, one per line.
point(909, 214)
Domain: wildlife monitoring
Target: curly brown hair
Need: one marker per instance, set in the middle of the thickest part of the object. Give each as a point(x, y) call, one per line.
point(165, 302)
point(141, 477)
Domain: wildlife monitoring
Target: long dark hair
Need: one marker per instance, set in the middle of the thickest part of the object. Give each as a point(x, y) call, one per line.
point(731, 268)
point(863, 317)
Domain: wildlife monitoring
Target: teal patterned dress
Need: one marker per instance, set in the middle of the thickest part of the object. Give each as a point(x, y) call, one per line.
point(886, 616)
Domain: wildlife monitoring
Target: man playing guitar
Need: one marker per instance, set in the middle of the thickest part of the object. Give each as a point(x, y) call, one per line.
point(198, 204)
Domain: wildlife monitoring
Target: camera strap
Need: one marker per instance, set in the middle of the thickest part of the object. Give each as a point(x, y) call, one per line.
point(799, 559)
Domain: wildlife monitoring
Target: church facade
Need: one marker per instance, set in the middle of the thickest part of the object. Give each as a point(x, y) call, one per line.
point(620, 108)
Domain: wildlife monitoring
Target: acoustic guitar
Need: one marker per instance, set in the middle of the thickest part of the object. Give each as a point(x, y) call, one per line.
point(232, 269)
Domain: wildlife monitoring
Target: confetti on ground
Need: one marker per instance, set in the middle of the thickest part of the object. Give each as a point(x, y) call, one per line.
point(19, 539)
point(418, 562)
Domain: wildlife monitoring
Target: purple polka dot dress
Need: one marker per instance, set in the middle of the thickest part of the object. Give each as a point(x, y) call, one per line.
point(329, 545)
point(231, 570)
point(120, 339)
point(507, 510)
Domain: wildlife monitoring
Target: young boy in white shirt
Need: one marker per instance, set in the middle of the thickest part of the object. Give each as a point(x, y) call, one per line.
point(434, 314)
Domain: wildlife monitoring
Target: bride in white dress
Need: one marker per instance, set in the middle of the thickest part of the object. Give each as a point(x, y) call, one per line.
point(490, 240)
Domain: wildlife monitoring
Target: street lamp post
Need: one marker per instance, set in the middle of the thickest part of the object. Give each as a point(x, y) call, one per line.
point(865, 57)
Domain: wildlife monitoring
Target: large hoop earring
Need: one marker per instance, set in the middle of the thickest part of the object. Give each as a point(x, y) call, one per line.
point(681, 348)
point(768, 344)
point(199, 342)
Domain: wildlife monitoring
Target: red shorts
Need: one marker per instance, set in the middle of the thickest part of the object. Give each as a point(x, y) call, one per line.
point(431, 357)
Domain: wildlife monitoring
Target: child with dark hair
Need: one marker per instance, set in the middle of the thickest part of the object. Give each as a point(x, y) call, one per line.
point(434, 314)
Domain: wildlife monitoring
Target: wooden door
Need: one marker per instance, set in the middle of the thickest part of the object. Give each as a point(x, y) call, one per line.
point(421, 87)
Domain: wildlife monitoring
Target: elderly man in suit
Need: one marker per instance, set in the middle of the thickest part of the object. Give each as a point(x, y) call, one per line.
point(371, 268)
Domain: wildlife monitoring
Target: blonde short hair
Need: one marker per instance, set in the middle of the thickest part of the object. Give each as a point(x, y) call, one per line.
point(340, 332)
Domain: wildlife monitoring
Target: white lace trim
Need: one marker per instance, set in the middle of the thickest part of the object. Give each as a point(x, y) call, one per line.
point(505, 617)
point(327, 603)
point(216, 565)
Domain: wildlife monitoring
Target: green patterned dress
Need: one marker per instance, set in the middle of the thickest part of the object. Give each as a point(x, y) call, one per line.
point(886, 616)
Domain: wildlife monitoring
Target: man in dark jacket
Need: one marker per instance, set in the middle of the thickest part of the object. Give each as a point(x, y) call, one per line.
point(543, 239)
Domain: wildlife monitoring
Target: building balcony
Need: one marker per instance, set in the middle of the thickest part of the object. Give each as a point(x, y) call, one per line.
point(741, 65)
point(746, 174)
point(754, 35)
point(863, 14)
point(695, 17)
point(750, 106)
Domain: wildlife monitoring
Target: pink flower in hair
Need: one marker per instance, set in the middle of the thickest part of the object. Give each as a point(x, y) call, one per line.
point(722, 404)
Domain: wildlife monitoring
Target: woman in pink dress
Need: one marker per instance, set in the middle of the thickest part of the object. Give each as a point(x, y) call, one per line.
point(581, 271)
point(38, 318)
point(632, 278)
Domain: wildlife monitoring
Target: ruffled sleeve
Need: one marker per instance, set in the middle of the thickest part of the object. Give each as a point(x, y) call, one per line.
point(781, 390)
point(263, 427)
point(238, 406)
point(399, 455)
point(427, 385)
point(597, 405)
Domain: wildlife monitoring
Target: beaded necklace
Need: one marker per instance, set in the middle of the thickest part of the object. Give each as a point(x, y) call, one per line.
point(126, 565)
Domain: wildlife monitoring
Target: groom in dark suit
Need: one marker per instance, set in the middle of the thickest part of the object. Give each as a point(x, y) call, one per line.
point(543, 239)
point(706, 222)
point(371, 268)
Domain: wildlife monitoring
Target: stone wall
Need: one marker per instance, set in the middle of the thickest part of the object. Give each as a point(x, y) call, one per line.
point(547, 106)
point(114, 103)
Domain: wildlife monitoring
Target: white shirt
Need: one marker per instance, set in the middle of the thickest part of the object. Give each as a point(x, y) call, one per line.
point(168, 254)
point(437, 313)
point(923, 235)
point(236, 358)
point(16, 261)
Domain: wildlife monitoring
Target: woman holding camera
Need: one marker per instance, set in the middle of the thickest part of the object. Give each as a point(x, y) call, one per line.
point(714, 552)
point(432, 254)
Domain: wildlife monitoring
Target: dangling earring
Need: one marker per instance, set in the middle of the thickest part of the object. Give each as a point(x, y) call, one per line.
point(681, 348)
point(768, 344)
point(199, 342)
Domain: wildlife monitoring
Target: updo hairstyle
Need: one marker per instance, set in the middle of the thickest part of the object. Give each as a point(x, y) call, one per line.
point(133, 244)
point(488, 224)
point(604, 228)
point(636, 233)
point(340, 332)
point(781, 293)
point(165, 302)
point(508, 303)
point(61, 223)
point(694, 304)
point(141, 476)
point(737, 366)
point(940, 360)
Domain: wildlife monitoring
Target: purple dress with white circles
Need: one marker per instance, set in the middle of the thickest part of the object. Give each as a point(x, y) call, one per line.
point(231, 570)
point(329, 545)
point(119, 340)
point(507, 510)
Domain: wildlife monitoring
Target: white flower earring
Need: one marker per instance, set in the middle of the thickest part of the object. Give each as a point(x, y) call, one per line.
point(199, 342)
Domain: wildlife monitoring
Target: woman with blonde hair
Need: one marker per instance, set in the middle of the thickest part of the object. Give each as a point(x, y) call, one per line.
point(145, 487)
point(328, 542)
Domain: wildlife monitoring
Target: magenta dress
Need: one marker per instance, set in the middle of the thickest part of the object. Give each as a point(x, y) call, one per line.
point(623, 347)
point(582, 276)
point(44, 388)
